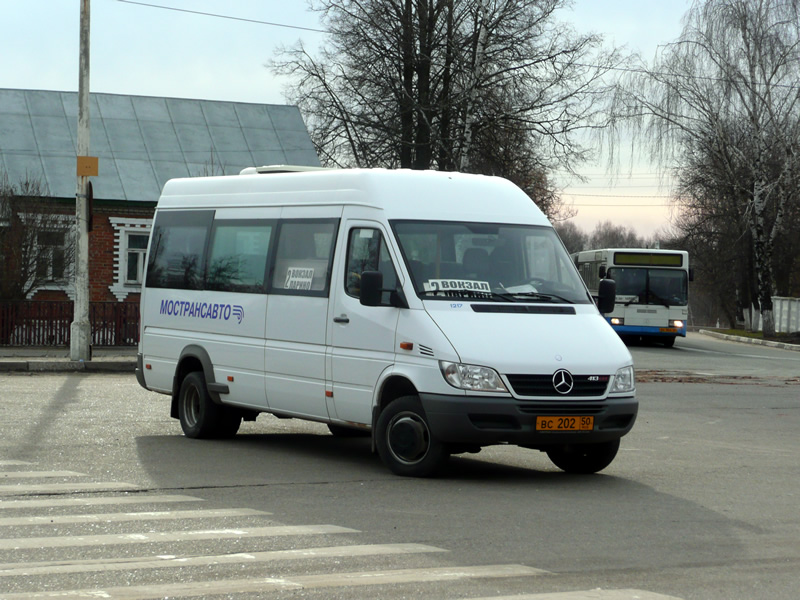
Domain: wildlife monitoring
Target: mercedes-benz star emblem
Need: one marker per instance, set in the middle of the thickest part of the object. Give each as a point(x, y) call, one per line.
point(563, 382)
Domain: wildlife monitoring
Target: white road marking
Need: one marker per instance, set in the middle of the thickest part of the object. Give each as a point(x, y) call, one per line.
point(167, 536)
point(49, 488)
point(126, 517)
point(597, 594)
point(263, 585)
point(96, 501)
point(160, 562)
point(38, 474)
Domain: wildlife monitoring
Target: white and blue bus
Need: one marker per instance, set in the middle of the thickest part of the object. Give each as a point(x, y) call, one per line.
point(652, 289)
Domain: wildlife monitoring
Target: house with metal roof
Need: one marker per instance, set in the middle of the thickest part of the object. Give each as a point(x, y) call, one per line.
point(140, 142)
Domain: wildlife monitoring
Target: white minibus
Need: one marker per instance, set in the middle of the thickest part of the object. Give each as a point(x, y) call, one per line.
point(436, 312)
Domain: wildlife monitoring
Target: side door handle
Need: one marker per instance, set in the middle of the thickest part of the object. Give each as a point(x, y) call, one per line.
point(341, 319)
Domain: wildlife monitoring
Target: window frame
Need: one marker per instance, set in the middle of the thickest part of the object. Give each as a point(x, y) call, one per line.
point(273, 262)
point(141, 253)
point(48, 251)
point(271, 249)
point(200, 218)
point(383, 248)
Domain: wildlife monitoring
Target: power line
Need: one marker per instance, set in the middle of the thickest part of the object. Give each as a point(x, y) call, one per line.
point(577, 64)
point(565, 193)
point(218, 16)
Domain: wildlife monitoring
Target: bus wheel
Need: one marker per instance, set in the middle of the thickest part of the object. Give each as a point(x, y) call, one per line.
point(404, 440)
point(199, 416)
point(583, 458)
point(669, 341)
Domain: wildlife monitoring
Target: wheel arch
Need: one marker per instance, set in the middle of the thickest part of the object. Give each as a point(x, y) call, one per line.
point(193, 358)
point(392, 388)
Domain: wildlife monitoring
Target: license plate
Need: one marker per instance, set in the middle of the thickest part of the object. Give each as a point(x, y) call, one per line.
point(564, 423)
point(668, 330)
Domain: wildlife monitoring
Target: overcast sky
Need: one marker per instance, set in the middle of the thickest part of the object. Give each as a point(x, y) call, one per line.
point(142, 50)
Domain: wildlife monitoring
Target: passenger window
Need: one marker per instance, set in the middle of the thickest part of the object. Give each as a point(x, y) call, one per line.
point(366, 251)
point(303, 257)
point(238, 256)
point(176, 258)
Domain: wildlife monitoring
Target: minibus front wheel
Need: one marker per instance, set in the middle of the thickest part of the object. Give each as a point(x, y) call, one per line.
point(583, 458)
point(404, 440)
point(200, 417)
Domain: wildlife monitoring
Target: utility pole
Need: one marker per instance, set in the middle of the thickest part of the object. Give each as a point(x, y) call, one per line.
point(81, 328)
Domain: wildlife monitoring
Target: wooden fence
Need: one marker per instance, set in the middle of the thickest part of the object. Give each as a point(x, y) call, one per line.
point(30, 323)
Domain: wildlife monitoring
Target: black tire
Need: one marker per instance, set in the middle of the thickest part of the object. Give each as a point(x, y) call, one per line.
point(200, 417)
point(668, 342)
point(341, 431)
point(583, 458)
point(404, 440)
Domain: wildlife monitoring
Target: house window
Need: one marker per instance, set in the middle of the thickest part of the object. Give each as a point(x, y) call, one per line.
point(131, 236)
point(51, 259)
point(135, 252)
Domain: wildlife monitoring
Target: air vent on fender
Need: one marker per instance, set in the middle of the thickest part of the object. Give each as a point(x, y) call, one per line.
point(425, 351)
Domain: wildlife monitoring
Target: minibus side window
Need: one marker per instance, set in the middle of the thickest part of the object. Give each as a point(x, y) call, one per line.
point(366, 251)
point(238, 256)
point(303, 257)
point(177, 250)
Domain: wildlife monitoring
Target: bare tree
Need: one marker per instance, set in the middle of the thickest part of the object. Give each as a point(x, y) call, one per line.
point(36, 239)
point(608, 235)
point(574, 238)
point(726, 95)
point(437, 83)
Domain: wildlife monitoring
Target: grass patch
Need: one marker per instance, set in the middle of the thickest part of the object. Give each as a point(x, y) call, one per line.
point(786, 338)
point(741, 333)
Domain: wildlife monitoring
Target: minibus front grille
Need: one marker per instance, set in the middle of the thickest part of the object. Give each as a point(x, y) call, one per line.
point(561, 409)
point(584, 386)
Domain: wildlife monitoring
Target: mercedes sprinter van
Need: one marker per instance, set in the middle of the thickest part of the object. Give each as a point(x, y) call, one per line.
point(436, 312)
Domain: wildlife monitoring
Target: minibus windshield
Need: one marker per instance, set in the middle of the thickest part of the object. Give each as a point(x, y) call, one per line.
point(513, 263)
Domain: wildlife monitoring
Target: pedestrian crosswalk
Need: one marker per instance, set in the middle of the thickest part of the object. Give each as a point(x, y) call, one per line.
point(77, 538)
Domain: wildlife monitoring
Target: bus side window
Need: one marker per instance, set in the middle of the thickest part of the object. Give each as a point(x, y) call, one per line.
point(303, 257)
point(177, 259)
point(366, 251)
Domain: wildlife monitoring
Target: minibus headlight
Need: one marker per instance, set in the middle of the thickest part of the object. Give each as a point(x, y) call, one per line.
point(676, 323)
point(624, 380)
point(472, 377)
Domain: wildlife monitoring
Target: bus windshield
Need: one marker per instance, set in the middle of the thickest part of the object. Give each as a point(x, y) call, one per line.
point(515, 263)
point(636, 285)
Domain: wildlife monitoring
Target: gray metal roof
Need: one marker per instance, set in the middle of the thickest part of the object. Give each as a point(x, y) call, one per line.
point(143, 141)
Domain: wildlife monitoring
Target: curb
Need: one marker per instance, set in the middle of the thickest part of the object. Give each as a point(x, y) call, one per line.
point(747, 340)
point(44, 366)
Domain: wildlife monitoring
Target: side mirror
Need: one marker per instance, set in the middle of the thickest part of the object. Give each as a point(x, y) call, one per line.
point(602, 272)
point(606, 295)
point(371, 288)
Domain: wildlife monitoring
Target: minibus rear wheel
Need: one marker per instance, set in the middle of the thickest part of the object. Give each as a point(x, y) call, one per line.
point(583, 458)
point(404, 440)
point(200, 417)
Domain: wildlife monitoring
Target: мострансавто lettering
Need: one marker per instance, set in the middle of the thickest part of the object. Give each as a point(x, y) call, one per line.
point(201, 310)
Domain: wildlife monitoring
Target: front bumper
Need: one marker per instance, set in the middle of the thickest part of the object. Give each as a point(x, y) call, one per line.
point(650, 330)
point(486, 421)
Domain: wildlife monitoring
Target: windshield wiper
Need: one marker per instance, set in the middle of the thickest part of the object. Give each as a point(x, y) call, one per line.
point(538, 296)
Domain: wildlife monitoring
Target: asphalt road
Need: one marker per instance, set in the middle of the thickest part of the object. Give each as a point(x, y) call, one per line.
point(99, 492)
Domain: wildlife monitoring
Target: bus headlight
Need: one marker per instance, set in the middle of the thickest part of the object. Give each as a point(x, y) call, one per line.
point(472, 377)
point(677, 323)
point(617, 321)
point(624, 380)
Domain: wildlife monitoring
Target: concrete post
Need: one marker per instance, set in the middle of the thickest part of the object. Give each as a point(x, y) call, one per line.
point(81, 328)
